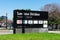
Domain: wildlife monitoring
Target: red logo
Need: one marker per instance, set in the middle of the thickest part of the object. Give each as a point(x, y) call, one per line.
point(19, 21)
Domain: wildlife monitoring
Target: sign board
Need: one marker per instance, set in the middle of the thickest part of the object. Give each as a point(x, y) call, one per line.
point(30, 19)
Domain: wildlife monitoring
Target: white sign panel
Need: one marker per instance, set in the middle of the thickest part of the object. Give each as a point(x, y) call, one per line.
point(35, 21)
point(30, 22)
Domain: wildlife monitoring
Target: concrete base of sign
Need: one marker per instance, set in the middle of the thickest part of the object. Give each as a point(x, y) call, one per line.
point(32, 30)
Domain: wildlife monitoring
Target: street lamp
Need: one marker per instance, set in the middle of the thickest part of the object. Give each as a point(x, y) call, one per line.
point(6, 20)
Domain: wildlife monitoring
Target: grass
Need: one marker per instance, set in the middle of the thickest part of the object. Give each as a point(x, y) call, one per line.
point(31, 36)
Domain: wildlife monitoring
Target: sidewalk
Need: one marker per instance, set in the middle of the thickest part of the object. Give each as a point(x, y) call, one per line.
point(54, 32)
point(6, 32)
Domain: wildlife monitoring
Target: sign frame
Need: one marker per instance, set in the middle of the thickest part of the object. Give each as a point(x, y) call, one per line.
point(43, 16)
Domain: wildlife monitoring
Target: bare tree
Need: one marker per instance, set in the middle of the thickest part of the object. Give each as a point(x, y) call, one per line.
point(54, 12)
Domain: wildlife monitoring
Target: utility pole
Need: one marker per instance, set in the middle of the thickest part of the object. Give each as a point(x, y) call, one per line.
point(6, 20)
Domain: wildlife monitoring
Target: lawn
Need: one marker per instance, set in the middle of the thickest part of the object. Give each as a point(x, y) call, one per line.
point(31, 36)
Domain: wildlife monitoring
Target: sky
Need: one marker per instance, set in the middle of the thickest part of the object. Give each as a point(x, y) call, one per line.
point(7, 6)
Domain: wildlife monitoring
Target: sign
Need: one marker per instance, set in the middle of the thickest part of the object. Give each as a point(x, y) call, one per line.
point(30, 19)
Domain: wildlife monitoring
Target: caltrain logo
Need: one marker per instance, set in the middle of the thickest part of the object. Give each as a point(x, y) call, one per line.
point(19, 21)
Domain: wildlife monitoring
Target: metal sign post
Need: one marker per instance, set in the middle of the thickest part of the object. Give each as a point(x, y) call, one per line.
point(23, 28)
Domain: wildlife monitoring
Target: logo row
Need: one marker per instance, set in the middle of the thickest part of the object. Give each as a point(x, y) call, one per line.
point(32, 22)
